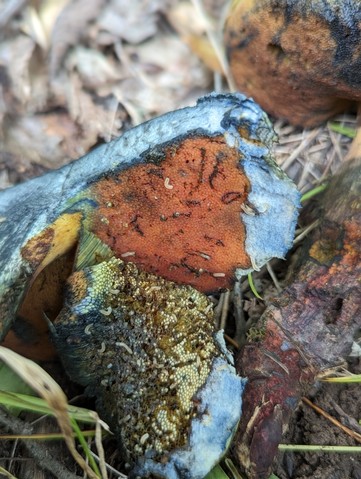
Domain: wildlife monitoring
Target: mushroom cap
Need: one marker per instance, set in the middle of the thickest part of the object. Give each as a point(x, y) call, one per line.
point(300, 60)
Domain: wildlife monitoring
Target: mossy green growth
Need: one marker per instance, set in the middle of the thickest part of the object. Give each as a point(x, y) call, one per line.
point(256, 333)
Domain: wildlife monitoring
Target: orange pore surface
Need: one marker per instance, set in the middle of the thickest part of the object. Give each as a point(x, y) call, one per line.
point(179, 216)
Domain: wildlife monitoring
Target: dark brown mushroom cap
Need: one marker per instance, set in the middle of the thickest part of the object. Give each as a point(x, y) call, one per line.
point(300, 60)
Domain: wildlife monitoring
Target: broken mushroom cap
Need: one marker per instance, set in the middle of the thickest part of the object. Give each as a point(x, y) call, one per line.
point(300, 60)
point(194, 196)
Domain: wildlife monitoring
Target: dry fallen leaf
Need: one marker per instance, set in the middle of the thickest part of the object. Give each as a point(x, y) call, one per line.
point(134, 21)
point(69, 27)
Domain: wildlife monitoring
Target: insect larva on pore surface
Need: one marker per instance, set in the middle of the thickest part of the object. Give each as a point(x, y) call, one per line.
point(167, 184)
point(88, 328)
point(127, 253)
point(120, 344)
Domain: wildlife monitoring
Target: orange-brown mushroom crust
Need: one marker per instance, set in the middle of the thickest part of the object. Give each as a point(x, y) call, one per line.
point(293, 62)
point(178, 217)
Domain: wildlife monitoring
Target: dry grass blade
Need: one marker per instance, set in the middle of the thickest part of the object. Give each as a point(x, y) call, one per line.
point(356, 436)
point(273, 277)
point(52, 393)
point(305, 232)
point(43, 436)
point(309, 137)
point(216, 45)
point(115, 472)
point(99, 445)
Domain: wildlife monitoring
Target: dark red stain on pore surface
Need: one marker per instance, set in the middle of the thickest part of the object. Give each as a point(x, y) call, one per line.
point(178, 217)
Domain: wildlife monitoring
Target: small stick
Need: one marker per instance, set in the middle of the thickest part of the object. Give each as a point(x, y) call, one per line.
point(40, 454)
point(231, 341)
point(347, 430)
point(273, 277)
point(225, 309)
point(241, 326)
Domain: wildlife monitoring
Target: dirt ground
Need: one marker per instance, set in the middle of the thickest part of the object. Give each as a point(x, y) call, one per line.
point(74, 74)
point(308, 427)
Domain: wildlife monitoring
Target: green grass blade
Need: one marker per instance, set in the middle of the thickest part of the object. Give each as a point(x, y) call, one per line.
point(235, 474)
point(6, 474)
point(315, 191)
point(10, 381)
point(85, 447)
point(36, 404)
point(217, 473)
point(46, 436)
point(253, 287)
point(355, 378)
point(319, 448)
point(343, 130)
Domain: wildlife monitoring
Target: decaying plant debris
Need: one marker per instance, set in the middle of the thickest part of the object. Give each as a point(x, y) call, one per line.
point(303, 327)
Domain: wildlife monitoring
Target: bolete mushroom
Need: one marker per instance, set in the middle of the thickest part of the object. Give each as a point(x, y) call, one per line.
point(193, 196)
point(300, 60)
point(188, 200)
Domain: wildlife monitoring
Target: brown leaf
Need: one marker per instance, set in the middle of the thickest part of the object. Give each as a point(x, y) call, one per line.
point(44, 139)
point(133, 22)
point(15, 56)
point(69, 27)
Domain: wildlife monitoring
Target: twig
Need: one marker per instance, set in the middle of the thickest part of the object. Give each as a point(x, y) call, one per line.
point(39, 452)
point(356, 436)
point(306, 231)
point(231, 341)
point(273, 277)
point(241, 326)
point(218, 311)
point(352, 422)
point(225, 309)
